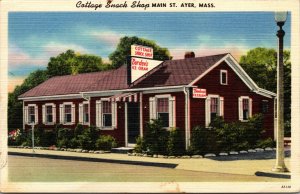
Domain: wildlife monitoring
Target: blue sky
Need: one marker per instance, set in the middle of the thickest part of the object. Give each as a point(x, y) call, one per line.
point(34, 37)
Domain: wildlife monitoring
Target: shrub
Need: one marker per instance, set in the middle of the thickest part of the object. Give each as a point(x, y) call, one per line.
point(175, 145)
point(254, 129)
point(269, 142)
point(64, 135)
point(88, 137)
point(156, 137)
point(106, 142)
point(140, 146)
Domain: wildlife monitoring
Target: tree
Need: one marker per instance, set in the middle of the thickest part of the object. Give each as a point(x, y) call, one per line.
point(15, 107)
point(118, 57)
point(71, 63)
point(261, 65)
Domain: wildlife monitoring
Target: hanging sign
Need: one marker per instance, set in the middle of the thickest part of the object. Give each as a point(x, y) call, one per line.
point(141, 51)
point(199, 93)
point(140, 67)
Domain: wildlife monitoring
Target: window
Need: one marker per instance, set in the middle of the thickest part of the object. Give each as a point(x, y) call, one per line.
point(245, 108)
point(163, 111)
point(49, 114)
point(106, 114)
point(68, 113)
point(214, 106)
point(31, 114)
point(163, 107)
point(265, 106)
point(223, 77)
point(86, 113)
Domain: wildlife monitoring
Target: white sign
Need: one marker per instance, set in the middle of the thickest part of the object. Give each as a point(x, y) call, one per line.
point(140, 67)
point(199, 93)
point(141, 51)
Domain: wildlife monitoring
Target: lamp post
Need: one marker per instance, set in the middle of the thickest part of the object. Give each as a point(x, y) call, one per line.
point(32, 136)
point(280, 18)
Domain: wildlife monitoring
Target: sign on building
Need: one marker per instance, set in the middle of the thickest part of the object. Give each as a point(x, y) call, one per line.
point(199, 93)
point(141, 66)
point(141, 51)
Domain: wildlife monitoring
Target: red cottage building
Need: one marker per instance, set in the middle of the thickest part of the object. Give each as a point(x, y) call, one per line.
point(104, 99)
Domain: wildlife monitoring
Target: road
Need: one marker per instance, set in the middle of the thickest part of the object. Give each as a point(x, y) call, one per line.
point(32, 169)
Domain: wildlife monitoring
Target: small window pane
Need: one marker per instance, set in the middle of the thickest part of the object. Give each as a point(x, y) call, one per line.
point(224, 77)
point(164, 117)
point(68, 113)
point(163, 105)
point(31, 114)
point(245, 109)
point(265, 106)
point(107, 120)
point(106, 107)
point(86, 113)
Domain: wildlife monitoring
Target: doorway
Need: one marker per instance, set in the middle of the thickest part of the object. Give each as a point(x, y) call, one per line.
point(133, 122)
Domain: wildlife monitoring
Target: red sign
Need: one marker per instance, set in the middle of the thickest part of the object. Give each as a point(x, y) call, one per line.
point(140, 67)
point(199, 93)
point(142, 51)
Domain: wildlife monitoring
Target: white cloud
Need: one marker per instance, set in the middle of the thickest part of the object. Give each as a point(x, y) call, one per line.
point(108, 37)
point(55, 48)
point(17, 58)
point(204, 50)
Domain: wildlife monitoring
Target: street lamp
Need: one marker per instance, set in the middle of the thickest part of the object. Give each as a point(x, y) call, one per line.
point(280, 18)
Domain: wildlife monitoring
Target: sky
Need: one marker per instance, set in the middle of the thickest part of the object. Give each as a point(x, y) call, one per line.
point(34, 37)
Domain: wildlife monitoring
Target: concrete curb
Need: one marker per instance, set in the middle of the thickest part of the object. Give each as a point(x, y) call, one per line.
point(91, 159)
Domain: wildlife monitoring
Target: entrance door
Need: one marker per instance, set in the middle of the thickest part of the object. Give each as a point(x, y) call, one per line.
point(133, 121)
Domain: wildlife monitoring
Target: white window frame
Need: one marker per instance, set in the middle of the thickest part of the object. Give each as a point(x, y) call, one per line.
point(44, 112)
point(172, 108)
point(26, 114)
point(81, 113)
point(62, 113)
point(99, 114)
point(221, 77)
point(240, 108)
point(208, 105)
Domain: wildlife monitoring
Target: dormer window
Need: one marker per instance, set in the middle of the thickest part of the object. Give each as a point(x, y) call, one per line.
point(223, 77)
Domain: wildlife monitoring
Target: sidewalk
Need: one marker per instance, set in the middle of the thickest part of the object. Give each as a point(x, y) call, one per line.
point(222, 164)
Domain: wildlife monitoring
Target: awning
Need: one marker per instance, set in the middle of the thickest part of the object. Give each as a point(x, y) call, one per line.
point(125, 97)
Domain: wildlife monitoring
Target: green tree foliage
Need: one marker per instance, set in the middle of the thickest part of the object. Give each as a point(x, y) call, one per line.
point(15, 107)
point(118, 57)
point(261, 65)
point(71, 63)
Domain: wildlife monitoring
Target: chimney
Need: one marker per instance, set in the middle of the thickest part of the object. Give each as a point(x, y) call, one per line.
point(189, 54)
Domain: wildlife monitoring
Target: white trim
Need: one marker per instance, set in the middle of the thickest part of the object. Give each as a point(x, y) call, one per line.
point(62, 112)
point(53, 97)
point(141, 114)
point(44, 113)
point(221, 76)
point(234, 65)
point(208, 70)
point(99, 114)
point(220, 111)
point(81, 113)
point(240, 107)
point(36, 113)
point(23, 115)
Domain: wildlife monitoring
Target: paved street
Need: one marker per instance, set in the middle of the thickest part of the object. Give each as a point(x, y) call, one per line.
point(22, 168)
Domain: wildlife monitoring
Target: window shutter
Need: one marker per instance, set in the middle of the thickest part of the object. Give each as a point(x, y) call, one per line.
point(73, 114)
point(80, 113)
point(250, 107)
point(172, 113)
point(54, 113)
point(61, 113)
point(207, 111)
point(221, 106)
point(114, 114)
point(240, 104)
point(152, 108)
point(26, 114)
point(98, 114)
point(36, 113)
point(44, 113)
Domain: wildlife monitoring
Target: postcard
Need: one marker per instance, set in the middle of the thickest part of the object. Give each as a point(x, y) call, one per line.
point(114, 96)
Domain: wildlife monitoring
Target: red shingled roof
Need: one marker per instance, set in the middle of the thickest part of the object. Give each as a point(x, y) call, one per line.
point(170, 73)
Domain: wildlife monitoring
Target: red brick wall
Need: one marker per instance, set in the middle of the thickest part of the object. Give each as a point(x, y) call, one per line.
point(231, 93)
